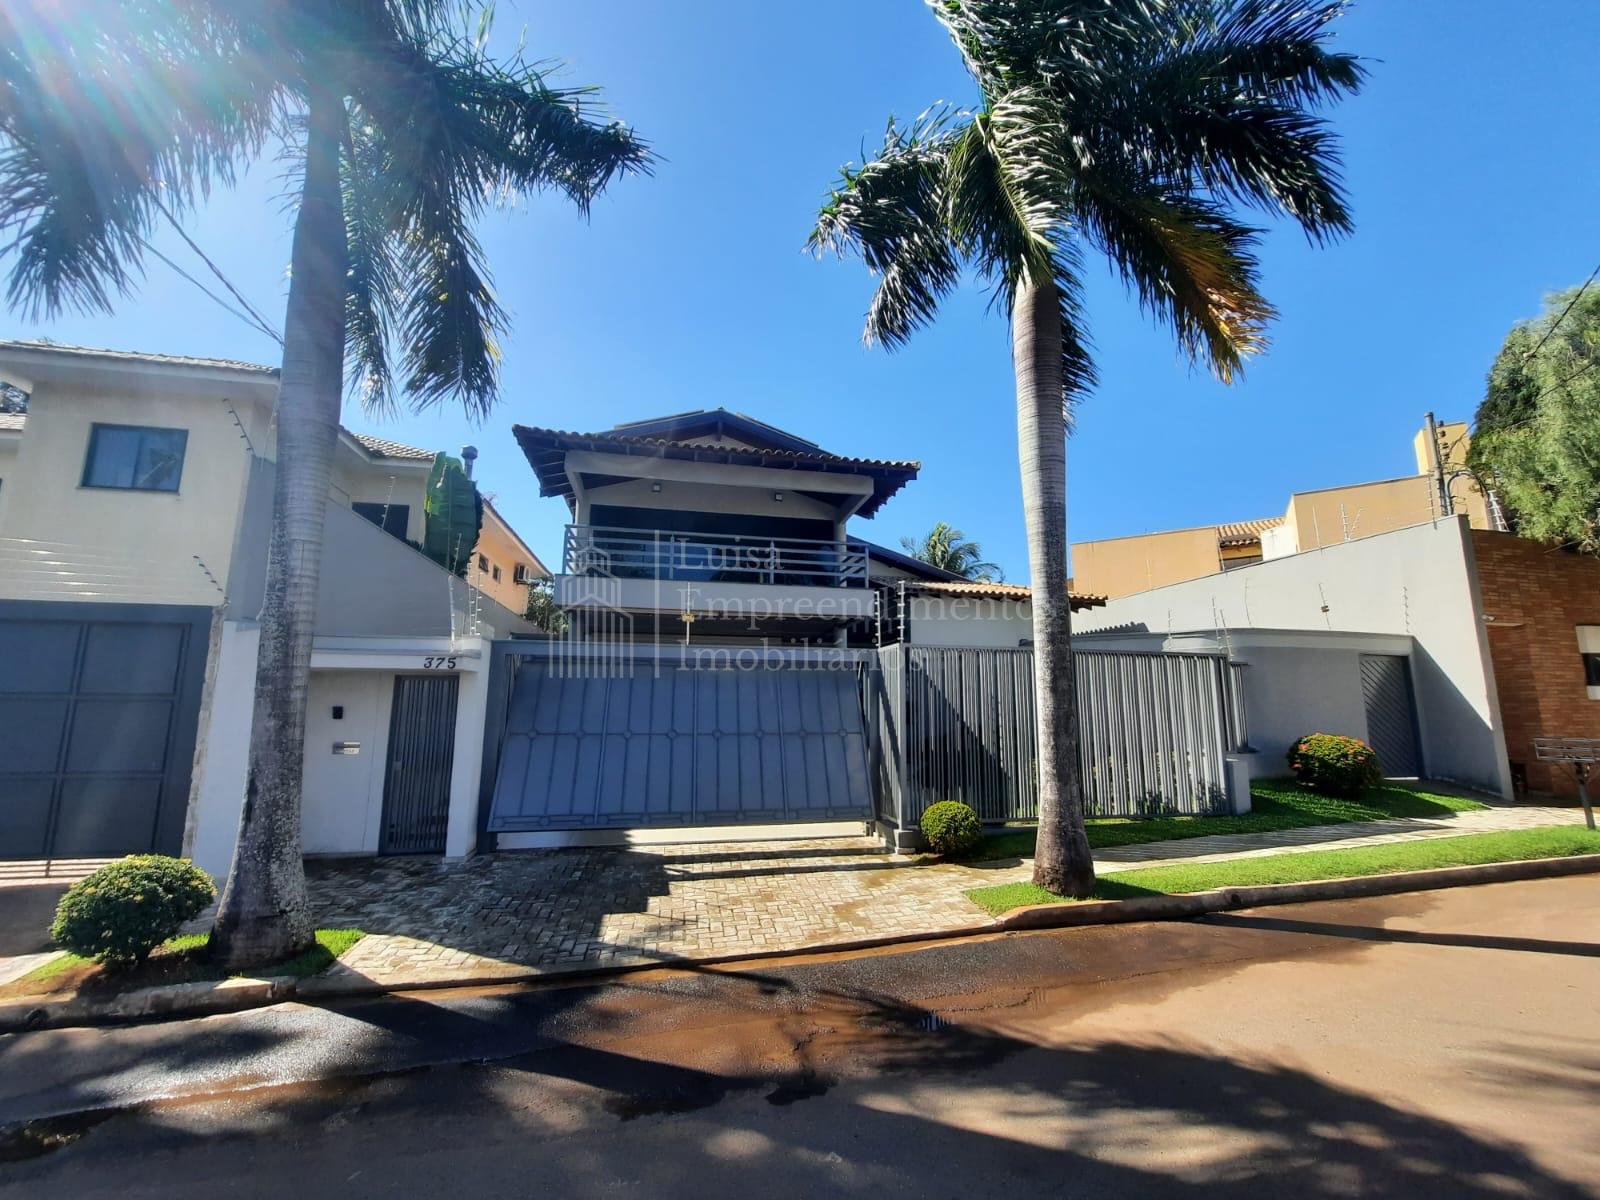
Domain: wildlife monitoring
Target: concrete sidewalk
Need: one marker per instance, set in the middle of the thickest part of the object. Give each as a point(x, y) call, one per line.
point(562, 911)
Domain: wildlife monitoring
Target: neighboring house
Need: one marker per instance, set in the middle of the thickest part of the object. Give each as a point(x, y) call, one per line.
point(135, 505)
point(502, 566)
point(1123, 566)
point(1448, 648)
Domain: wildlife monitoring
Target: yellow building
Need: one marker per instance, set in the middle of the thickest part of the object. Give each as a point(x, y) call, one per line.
point(502, 565)
point(1122, 566)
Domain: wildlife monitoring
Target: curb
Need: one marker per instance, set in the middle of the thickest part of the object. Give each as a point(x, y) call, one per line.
point(1194, 904)
point(235, 995)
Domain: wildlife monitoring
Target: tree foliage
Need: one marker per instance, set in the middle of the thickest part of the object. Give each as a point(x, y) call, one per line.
point(1133, 129)
point(1537, 436)
point(951, 550)
point(115, 114)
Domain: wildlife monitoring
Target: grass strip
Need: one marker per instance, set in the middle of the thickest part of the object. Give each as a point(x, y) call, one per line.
point(185, 955)
point(1555, 841)
point(1274, 804)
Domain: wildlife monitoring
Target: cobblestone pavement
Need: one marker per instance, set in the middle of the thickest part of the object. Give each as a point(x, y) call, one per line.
point(563, 910)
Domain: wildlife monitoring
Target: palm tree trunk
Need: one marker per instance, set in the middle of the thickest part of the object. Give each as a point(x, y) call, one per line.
point(1062, 862)
point(263, 915)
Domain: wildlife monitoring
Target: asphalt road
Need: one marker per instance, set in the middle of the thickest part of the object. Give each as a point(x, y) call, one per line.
point(1441, 1044)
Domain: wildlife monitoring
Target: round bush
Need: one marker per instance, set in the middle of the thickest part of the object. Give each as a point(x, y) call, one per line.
point(951, 827)
point(1338, 766)
point(128, 908)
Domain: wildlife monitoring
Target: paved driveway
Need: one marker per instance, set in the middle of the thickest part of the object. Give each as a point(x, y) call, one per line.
point(569, 910)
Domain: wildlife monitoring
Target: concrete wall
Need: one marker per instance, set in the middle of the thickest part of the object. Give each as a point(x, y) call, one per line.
point(967, 621)
point(358, 479)
point(342, 805)
point(343, 798)
point(1419, 582)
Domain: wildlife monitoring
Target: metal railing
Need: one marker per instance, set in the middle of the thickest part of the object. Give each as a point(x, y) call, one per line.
point(667, 554)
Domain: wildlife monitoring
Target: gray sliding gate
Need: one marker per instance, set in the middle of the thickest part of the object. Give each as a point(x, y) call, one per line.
point(955, 724)
point(98, 709)
point(801, 736)
point(667, 742)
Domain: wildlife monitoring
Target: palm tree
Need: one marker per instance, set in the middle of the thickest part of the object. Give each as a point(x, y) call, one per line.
point(950, 550)
point(401, 129)
point(1132, 129)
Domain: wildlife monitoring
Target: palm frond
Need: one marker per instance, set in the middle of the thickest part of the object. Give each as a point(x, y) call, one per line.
point(149, 101)
point(373, 280)
point(1225, 102)
point(1190, 264)
point(891, 212)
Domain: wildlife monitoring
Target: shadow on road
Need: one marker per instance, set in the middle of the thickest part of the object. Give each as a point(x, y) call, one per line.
point(1377, 933)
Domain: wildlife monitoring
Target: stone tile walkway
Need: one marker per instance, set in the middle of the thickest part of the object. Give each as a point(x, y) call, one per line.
point(554, 911)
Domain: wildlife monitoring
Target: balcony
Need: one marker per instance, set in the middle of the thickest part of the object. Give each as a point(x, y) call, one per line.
point(712, 574)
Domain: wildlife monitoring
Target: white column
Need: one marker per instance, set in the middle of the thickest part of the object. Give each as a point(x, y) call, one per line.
point(222, 761)
point(461, 834)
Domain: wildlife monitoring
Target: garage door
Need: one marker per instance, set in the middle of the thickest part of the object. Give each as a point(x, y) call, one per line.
point(681, 747)
point(98, 708)
point(1391, 714)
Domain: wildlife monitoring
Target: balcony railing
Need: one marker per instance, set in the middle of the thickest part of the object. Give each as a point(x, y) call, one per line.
point(596, 550)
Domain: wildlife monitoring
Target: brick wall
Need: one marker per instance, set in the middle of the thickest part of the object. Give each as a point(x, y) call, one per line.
point(1537, 597)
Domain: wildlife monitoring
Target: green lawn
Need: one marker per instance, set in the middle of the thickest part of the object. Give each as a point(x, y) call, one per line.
point(182, 960)
point(1553, 842)
point(1274, 804)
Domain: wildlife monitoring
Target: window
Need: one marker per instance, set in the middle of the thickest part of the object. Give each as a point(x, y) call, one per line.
point(521, 574)
point(497, 574)
point(1591, 670)
point(135, 457)
point(391, 518)
point(483, 562)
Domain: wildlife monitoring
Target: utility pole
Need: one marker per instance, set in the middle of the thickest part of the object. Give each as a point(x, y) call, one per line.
point(1446, 505)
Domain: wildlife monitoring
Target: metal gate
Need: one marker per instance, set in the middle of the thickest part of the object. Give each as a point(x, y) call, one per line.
point(99, 704)
point(675, 744)
point(416, 786)
point(1391, 714)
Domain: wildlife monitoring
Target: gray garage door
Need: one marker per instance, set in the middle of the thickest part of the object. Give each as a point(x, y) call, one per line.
point(1391, 714)
point(682, 747)
point(98, 707)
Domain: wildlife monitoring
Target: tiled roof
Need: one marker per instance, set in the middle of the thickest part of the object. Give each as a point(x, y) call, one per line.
point(1242, 533)
point(547, 451)
point(998, 591)
point(383, 448)
point(800, 457)
point(172, 360)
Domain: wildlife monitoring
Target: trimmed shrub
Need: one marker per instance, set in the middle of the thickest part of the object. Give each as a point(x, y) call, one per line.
point(127, 908)
point(952, 828)
point(1336, 765)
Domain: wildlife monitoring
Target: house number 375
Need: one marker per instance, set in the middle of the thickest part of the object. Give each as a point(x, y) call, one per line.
point(440, 663)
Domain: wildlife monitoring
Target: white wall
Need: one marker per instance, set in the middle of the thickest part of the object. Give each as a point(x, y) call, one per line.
point(222, 751)
point(1420, 582)
point(967, 621)
point(342, 806)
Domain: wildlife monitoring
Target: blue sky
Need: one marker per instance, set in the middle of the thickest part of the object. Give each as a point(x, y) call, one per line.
point(1473, 159)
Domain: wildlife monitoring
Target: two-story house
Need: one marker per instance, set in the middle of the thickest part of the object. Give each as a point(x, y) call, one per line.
point(135, 504)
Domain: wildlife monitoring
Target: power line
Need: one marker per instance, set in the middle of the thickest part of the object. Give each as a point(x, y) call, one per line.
point(260, 321)
point(214, 297)
point(1556, 324)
